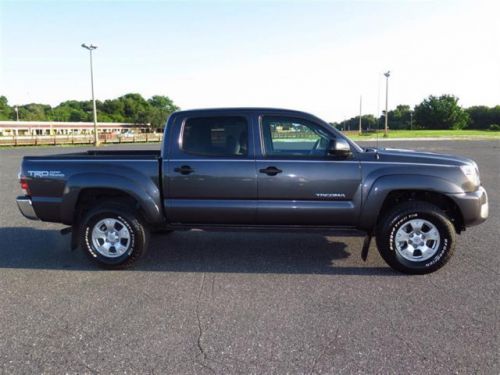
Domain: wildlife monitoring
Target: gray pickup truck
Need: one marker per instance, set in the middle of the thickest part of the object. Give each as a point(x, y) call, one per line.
point(253, 169)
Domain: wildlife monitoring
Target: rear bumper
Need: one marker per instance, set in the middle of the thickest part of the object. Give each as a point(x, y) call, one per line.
point(26, 207)
point(474, 206)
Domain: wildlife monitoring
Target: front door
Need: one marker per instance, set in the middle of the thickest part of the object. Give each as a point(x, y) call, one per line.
point(299, 183)
point(210, 174)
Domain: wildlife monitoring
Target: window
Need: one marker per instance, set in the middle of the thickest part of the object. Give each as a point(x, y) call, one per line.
point(216, 136)
point(289, 137)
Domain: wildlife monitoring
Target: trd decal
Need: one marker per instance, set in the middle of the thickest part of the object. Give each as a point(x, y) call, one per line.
point(41, 174)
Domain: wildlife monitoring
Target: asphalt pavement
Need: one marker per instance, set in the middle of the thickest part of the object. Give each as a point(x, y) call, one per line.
point(204, 303)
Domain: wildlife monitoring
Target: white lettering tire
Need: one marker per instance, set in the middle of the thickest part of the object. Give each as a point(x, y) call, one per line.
point(416, 238)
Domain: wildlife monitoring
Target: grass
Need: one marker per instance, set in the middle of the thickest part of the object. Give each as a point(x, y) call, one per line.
point(458, 134)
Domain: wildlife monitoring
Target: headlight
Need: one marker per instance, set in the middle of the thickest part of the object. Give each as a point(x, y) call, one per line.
point(472, 173)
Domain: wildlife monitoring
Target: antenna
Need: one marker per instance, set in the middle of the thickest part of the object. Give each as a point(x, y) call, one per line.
point(360, 113)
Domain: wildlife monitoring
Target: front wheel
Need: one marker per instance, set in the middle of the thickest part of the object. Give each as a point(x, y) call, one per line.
point(416, 238)
point(113, 236)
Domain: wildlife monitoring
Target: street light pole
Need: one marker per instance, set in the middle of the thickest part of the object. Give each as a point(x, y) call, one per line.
point(387, 75)
point(90, 48)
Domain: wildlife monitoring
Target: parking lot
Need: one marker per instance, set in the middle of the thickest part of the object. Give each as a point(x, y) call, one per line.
point(247, 302)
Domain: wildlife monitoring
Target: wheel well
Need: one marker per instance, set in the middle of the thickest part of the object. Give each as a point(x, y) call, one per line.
point(440, 200)
point(88, 197)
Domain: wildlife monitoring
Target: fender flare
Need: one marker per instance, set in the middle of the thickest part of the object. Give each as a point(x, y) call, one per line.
point(147, 194)
point(384, 185)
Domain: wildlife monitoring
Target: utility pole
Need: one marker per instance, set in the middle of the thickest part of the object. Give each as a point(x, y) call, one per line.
point(386, 127)
point(360, 112)
point(16, 108)
point(411, 120)
point(90, 48)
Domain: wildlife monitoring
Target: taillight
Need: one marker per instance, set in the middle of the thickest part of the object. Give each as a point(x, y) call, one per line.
point(24, 186)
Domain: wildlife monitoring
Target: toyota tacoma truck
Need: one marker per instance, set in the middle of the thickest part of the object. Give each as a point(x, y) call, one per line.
point(252, 169)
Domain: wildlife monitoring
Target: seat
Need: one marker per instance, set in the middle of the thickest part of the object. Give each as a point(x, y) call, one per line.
point(232, 145)
point(243, 143)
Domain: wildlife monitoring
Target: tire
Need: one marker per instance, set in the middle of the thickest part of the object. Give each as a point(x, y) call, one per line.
point(113, 236)
point(411, 250)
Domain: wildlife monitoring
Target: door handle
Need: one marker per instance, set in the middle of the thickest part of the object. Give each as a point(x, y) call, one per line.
point(185, 169)
point(270, 171)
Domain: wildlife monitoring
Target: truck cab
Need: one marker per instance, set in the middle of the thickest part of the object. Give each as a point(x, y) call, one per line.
point(269, 167)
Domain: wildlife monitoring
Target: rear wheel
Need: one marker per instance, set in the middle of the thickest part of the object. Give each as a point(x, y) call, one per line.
point(113, 236)
point(416, 238)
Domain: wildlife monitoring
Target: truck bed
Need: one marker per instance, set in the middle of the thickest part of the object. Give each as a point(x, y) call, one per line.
point(98, 154)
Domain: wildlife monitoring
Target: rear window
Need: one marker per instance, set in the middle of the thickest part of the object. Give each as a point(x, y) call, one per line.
point(216, 136)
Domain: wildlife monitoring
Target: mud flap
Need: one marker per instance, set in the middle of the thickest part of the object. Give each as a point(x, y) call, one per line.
point(74, 236)
point(366, 246)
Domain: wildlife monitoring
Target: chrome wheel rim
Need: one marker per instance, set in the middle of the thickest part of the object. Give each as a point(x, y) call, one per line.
point(417, 240)
point(111, 237)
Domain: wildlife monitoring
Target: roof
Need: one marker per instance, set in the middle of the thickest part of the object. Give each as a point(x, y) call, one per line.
point(283, 111)
point(241, 109)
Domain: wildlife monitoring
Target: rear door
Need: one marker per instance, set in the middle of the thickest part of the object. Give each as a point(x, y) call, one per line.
point(210, 174)
point(298, 182)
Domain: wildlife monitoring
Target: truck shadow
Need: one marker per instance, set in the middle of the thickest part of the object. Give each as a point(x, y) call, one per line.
point(225, 252)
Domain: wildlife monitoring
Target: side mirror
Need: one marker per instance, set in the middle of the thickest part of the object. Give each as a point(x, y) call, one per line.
point(339, 147)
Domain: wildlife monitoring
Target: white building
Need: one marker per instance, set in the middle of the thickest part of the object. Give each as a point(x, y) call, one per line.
point(32, 128)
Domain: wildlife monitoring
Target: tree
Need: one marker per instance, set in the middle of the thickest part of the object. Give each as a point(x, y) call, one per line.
point(71, 110)
point(132, 108)
point(368, 122)
point(34, 112)
point(161, 108)
point(135, 108)
point(481, 117)
point(400, 117)
point(5, 110)
point(441, 113)
point(112, 110)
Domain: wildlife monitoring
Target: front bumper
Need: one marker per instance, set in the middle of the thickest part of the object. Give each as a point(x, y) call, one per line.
point(474, 206)
point(26, 207)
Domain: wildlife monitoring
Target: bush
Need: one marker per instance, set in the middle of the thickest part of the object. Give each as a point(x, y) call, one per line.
point(494, 127)
point(441, 113)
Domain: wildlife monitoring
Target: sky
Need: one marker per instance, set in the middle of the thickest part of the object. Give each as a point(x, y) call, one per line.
point(316, 56)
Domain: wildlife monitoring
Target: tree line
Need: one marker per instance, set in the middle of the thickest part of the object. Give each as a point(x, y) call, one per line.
point(434, 112)
point(131, 108)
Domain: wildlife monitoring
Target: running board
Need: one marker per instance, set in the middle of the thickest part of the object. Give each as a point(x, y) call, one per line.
point(336, 231)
